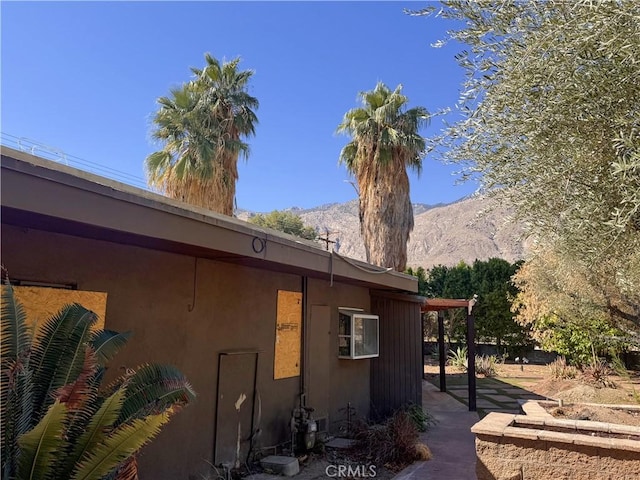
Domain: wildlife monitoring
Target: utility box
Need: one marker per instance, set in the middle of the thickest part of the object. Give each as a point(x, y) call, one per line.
point(358, 334)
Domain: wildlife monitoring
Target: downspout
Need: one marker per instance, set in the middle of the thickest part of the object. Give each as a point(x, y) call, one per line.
point(305, 343)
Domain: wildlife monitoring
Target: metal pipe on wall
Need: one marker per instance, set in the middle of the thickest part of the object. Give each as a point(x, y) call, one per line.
point(304, 350)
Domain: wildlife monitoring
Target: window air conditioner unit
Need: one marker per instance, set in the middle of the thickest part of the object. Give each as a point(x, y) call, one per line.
point(357, 334)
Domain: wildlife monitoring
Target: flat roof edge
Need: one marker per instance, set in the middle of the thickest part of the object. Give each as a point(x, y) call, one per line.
point(35, 167)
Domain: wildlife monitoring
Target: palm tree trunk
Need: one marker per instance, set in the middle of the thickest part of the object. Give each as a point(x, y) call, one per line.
point(386, 213)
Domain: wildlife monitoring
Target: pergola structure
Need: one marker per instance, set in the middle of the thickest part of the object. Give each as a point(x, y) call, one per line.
point(440, 305)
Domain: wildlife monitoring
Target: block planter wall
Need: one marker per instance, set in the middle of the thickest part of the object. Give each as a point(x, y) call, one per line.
point(519, 447)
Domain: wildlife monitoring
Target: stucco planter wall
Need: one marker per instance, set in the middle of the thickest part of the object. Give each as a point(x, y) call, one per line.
point(538, 446)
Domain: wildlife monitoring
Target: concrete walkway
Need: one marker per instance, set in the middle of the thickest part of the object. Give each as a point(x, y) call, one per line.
point(450, 440)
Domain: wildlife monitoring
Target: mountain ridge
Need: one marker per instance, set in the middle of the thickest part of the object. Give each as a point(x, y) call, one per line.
point(444, 234)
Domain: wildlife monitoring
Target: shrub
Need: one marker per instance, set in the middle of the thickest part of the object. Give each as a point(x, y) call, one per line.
point(56, 421)
point(458, 358)
point(559, 369)
point(597, 373)
point(392, 443)
point(486, 365)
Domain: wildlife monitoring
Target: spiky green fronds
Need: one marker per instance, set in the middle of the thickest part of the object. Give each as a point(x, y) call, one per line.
point(106, 343)
point(152, 389)
point(119, 446)
point(16, 387)
point(41, 446)
point(16, 338)
point(382, 130)
point(59, 352)
point(96, 429)
point(69, 428)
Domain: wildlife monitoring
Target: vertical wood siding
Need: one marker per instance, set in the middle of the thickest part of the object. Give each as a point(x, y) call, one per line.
point(396, 375)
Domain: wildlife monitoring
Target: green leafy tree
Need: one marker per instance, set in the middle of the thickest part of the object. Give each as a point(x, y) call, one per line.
point(450, 282)
point(550, 123)
point(579, 340)
point(56, 422)
point(421, 274)
point(491, 281)
point(385, 141)
point(558, 302)
point(287, 222)
point(203, 125)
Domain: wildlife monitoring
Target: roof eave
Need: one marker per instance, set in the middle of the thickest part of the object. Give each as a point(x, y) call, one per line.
point(91, 205)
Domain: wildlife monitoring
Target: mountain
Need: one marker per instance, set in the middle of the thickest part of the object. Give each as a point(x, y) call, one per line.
point(469, 229)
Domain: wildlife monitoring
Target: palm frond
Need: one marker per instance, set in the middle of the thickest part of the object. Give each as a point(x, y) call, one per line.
point(16, 339)
point(152, 389)
point(74, 394)
point(385, 141)
point(156, 164)
point(58, 353)
point(349, 155)
point(39, 447)
point(118, 446)
point(100, 422)
point(17, 408)
point(106, 343)
point(16, 387)
point(204, 120)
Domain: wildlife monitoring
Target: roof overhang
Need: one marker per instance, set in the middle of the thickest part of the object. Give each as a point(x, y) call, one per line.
point(45, 195)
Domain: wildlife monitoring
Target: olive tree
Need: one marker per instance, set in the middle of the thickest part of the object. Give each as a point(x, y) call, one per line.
point(550, 121)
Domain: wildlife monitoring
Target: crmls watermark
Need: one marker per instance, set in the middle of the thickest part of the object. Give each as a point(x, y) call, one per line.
point(350, 471)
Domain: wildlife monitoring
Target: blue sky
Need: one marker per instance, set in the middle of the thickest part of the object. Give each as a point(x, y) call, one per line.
point(83, 77)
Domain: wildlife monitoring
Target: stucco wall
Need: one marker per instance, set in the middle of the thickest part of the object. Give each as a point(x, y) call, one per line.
point(347, 378)
point(149, 293)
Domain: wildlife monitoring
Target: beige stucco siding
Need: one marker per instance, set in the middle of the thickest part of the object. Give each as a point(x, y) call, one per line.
point(150, 292)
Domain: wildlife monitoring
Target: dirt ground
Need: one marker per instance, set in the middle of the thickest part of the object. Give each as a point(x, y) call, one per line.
point(596, 414)
point(535, 379)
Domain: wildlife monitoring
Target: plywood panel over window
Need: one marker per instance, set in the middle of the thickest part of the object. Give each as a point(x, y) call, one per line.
point(40, 303)
point(288, 335)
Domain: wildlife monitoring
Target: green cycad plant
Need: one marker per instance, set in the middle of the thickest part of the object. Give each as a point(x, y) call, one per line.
point(56, 420)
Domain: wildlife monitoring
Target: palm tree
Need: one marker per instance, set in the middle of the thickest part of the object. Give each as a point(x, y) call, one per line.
point(202, 125)
point(385, 142)
point(56, 420)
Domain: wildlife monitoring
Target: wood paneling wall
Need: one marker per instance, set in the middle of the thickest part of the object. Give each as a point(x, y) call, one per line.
point(396, 375)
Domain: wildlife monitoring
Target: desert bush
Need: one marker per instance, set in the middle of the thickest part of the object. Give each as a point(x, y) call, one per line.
point(486, 365)
point(392, 443)
point(597, 373)
point(559, 369)
point(458, 358)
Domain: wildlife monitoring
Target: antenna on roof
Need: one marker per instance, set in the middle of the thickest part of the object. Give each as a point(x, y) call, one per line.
point(325, 238)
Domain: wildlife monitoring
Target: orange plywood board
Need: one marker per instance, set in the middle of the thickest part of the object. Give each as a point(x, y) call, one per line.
point(40, 303)
point(288, 335)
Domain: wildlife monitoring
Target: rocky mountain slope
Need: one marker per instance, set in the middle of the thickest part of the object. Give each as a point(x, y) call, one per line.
point(469, 229)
